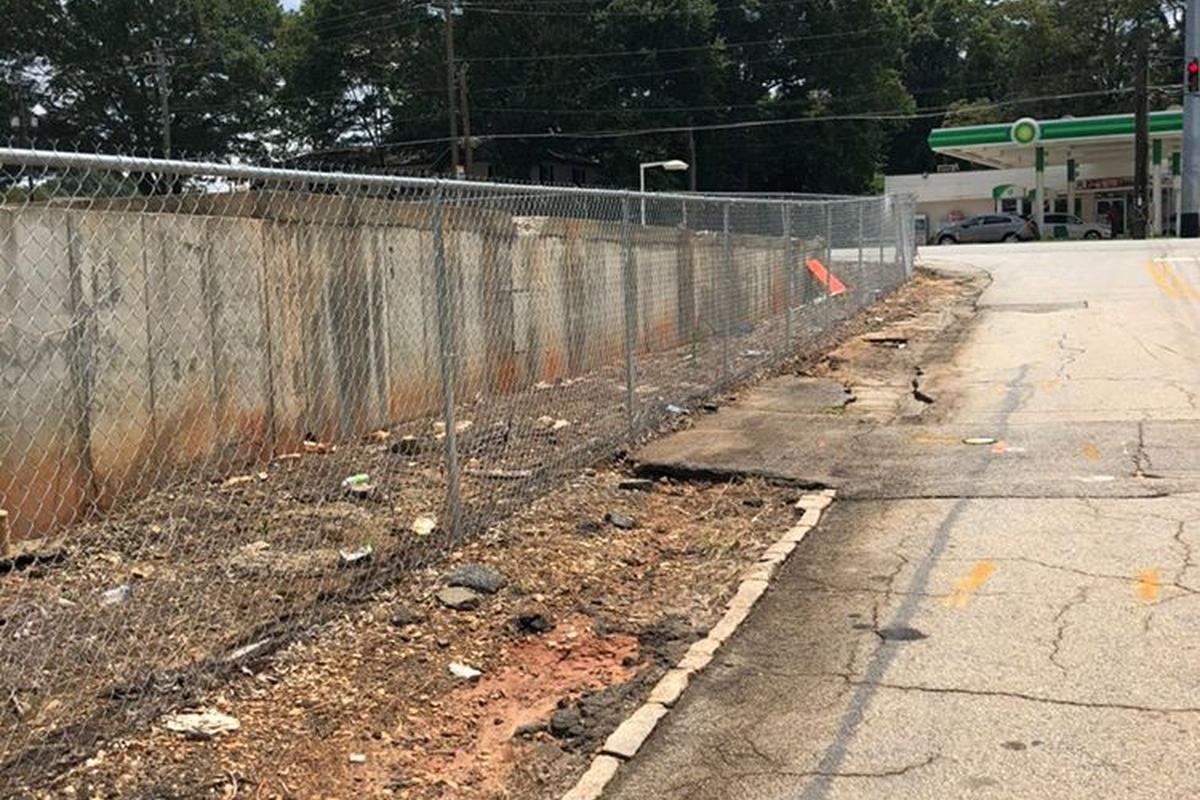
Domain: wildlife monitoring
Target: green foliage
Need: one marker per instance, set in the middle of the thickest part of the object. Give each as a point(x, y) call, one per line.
point(836, 91)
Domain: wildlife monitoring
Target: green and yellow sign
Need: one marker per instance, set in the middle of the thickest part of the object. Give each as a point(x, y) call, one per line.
point(1025, 131)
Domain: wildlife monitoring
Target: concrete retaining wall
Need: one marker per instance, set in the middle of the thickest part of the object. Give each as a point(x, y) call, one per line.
point(219, 329)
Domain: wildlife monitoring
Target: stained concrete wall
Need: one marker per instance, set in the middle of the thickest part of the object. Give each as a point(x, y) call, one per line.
point(144, 340)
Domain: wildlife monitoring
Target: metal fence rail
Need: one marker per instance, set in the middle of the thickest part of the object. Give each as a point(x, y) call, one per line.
point(233, 399)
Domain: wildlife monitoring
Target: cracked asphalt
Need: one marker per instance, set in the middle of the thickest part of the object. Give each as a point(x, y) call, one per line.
point(1048, 581)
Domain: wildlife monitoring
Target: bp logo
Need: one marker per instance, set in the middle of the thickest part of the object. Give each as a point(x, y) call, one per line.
point(1025, 131)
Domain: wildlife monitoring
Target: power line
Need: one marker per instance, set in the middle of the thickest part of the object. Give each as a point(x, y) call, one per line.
point(881, 116)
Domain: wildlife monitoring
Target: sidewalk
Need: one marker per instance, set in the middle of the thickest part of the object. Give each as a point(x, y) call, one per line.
point(1013, 618)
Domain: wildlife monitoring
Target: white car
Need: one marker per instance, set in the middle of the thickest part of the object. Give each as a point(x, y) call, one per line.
point(1069, 226)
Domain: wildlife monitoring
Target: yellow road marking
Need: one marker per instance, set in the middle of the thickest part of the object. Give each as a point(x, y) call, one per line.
point(1181, 282)
point(963, 587)
point(1147, 585)
point(1090, 452)
point(1155, 273)
point(1173, 284)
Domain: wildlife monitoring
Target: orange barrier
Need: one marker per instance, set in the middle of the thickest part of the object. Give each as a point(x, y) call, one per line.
point(825, 276)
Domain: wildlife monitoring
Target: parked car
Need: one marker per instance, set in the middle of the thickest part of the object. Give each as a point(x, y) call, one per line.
point(1069, 226)
point(989, 228)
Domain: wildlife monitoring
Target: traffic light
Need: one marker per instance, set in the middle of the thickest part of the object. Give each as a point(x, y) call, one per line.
point(1193, 75)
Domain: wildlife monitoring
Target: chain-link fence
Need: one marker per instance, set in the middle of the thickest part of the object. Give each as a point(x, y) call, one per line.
point(234, 399)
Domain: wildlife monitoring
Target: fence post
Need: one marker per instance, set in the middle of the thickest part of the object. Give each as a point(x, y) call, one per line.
point(629, 268)
point(727, 298)
point(789, 277)
point(446, 338)
point(882, 204)
point(829, 248)
point(860, 239)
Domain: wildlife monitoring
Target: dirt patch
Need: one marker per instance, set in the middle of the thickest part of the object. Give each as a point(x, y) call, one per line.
point(623, 605)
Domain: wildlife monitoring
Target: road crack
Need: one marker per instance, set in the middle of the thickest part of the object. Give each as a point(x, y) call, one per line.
point(1061, 625)
point(1032, 698)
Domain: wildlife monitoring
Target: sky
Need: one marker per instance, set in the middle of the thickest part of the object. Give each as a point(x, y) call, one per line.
point(290, 5)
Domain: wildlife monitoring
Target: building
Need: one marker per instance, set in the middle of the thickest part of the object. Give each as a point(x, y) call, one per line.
point(1079, 165)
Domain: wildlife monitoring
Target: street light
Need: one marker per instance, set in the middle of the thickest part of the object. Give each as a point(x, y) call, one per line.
point(674, 165)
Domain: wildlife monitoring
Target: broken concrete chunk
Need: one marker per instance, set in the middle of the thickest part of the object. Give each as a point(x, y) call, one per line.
point(352, 558)
point(202, 724)
point(458, 598)
point(116, 595)
point(424, 525)
point(464, 671)
point(479, 577)
point(622, 521)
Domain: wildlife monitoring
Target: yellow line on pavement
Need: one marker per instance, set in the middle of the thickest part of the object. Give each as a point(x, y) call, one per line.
point(1147, 585)
point(963, 587)
point(1181, 283)
point(1155, 273)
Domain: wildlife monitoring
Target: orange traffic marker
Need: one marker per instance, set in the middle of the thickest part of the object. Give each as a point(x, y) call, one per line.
point(825, 276)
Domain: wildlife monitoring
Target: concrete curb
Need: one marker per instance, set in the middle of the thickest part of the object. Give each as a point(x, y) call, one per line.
point(631, 734)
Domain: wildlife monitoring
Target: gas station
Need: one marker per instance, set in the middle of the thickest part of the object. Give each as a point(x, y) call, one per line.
point(1077, 165)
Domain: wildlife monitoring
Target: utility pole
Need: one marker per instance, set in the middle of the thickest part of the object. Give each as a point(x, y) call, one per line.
point(468, 154)
point(1141, 134)
point(448, 12)
point(1189, 220)
point(162, 81)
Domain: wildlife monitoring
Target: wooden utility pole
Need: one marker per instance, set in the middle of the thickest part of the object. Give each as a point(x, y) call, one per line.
point(468, 154)
point(1141, 135)
point(162, 82)
point(448, 11)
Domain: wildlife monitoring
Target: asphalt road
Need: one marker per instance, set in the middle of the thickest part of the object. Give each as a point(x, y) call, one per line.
point(1018, 620)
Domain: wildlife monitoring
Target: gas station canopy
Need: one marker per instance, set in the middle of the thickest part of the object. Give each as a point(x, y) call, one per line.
point(1085, 139)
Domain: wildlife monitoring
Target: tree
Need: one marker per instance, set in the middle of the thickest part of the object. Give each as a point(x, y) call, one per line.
point(104, 60)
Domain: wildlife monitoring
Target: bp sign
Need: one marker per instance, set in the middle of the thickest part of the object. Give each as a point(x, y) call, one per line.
point(1025, 131)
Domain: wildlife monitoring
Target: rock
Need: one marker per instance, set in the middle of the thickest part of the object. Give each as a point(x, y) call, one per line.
point(423, 526)
point(201, 725)
point(358, 758)
point(353, 558)
point(677, 410)
point(116, 595)
point(467, 673)
point(532, 622)
point(459, 598)
point(566, 723)
point(620, 521)
point(479, 577)
point(407, 446)
point(530, 730)
point(403, 617)
point(636, 485)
